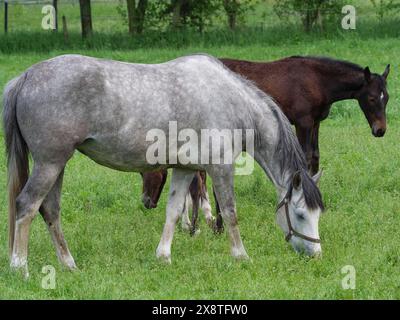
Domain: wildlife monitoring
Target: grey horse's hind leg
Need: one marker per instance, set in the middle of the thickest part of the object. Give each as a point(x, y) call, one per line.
point(50, 211)
point(180, 183)
point(222, 177)
point(28, 202)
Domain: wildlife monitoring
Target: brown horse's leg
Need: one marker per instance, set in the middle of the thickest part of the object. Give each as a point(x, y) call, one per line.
point(205, 200)
point(50, 211)
point(304, 135)
point(219, 223)
point(194, 190)
point(315, 150)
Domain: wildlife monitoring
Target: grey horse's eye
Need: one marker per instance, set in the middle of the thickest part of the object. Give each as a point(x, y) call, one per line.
point(300, 214)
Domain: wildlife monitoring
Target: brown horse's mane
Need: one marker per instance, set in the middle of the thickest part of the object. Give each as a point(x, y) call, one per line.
point(352, 74)
point(335, 63)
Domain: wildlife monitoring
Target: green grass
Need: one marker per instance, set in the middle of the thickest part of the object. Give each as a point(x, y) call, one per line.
point(113, 238)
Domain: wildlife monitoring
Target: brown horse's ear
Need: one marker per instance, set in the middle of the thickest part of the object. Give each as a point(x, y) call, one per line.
point(386, 72)
point(367, 74)
point(297, 180)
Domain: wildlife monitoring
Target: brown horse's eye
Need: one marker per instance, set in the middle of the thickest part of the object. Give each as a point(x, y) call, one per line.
point(371, 99)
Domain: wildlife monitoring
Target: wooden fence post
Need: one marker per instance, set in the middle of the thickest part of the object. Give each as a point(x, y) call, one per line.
point(5, 16)
point(56, 15)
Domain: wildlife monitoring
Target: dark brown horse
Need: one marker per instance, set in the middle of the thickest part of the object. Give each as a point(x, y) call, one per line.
point(305, 88)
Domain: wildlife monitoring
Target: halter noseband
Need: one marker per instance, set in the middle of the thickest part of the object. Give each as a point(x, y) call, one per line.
point(292, 232)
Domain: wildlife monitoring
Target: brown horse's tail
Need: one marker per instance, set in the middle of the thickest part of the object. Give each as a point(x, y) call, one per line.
point(17, 152)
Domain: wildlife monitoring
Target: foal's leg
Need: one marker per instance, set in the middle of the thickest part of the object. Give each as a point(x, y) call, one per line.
point(304, 135)
point(206, 208)
point(186, 224)
point(219, 223)
point(315, 150)
point(194, 190)
point(42, 179)
point(180, 183)
point(50, 211)
point(222, 177)
point(205, 200)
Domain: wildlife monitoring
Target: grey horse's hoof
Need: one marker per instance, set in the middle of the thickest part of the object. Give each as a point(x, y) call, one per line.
point(20, 268)
point(162, 256)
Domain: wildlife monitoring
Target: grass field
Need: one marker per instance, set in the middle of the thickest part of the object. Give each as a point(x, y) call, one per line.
point(113, 238)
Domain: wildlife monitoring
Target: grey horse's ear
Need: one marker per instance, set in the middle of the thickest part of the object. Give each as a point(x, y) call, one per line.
point(386, 72)
point(317, 177)
point(367, 74)
point(297, 180)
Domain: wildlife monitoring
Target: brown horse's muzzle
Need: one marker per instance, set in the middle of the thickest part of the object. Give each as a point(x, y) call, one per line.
point(148, 202)
point(378, 128)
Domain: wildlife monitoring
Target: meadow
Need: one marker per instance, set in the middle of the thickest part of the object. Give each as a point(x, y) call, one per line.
point(113, 237)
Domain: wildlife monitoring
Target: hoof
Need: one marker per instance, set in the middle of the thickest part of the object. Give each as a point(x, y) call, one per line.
point(187, 227)
point(195, 232)
point(164, 259)
point(20, 266)
point(218, 229)
point(70, 265)
point(211, 222)
point(163, 256)
point(240, 254)
point(242, 257)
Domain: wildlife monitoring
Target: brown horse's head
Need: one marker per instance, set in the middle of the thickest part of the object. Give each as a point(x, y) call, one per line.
point(153, 184)
point(373, 98)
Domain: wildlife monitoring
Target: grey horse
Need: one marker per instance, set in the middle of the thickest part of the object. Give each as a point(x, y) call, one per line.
point(105, 109)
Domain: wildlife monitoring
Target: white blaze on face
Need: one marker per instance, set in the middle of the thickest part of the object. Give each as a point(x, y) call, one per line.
point(382, 95)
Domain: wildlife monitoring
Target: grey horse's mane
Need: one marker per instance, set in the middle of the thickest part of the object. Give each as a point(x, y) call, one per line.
point(292, 156)
point(288, 149)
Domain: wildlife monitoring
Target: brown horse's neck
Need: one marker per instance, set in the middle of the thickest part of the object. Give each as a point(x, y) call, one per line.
point(342, 84)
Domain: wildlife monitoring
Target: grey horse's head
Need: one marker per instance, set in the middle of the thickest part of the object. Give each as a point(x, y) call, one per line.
point(299, 212)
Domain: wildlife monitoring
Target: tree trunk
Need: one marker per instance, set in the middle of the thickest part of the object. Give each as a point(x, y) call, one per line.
point(232, 21)
point(312, 14)
point(5, 17)
point(136, 15)
point(65, 29)
point(177, 13)
point(231, 9)
point(86, 18)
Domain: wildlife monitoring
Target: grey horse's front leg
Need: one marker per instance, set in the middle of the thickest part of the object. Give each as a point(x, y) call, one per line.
point(222, 177)
point(180, 183)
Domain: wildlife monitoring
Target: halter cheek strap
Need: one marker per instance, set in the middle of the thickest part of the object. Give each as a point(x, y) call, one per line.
point(292, 232)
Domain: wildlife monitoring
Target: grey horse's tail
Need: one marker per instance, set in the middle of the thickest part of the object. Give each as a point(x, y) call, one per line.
point(17, 152)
